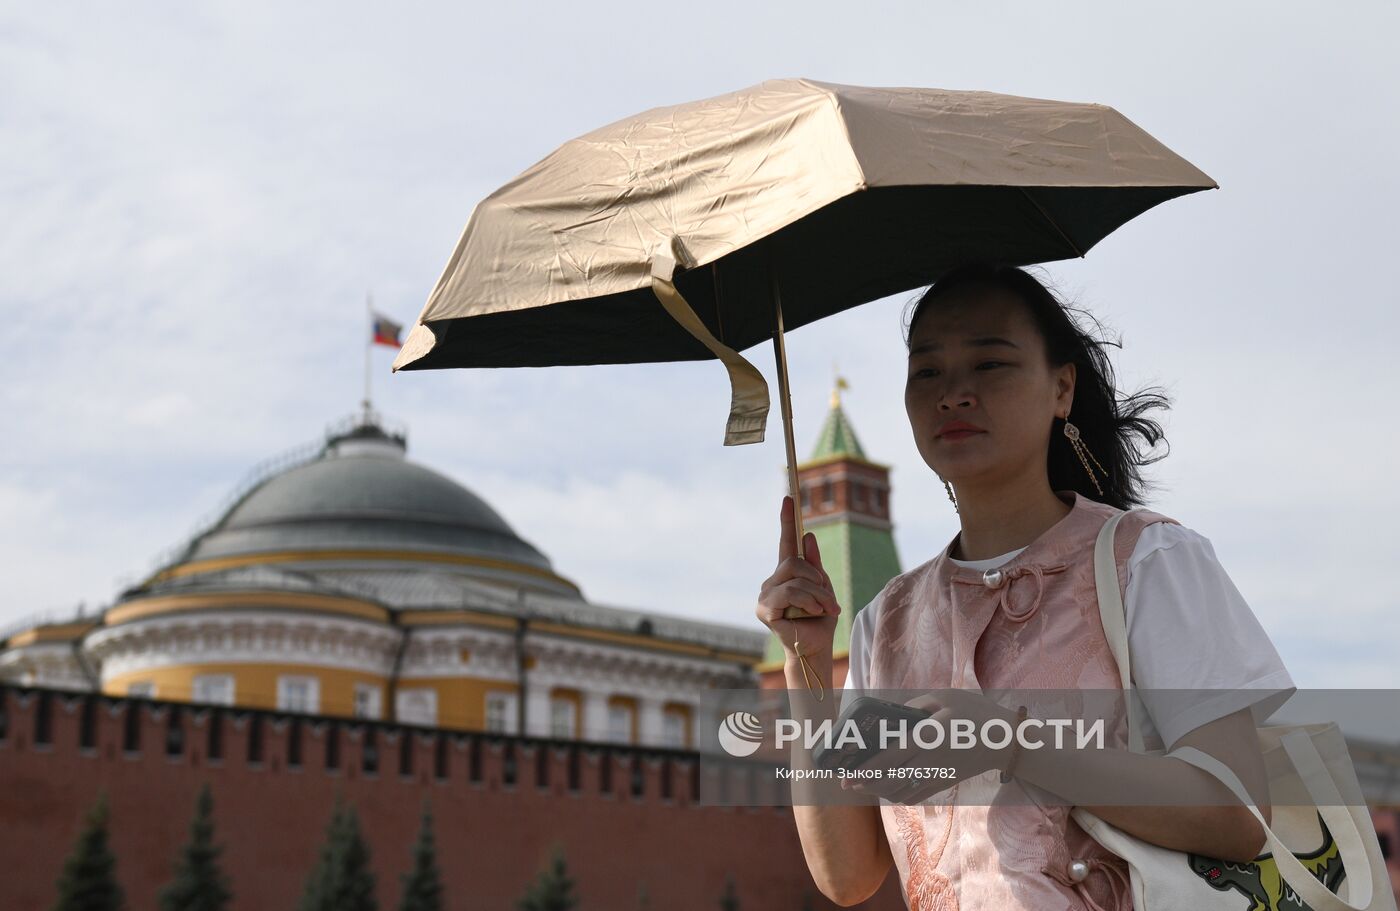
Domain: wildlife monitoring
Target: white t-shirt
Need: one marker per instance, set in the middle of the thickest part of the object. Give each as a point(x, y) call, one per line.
point(1188, 629)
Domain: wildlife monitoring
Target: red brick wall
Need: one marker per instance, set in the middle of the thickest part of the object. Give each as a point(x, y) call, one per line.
point(843, 474)
point(492, 838)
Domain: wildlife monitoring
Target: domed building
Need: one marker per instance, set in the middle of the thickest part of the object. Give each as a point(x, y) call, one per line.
point(351, 581)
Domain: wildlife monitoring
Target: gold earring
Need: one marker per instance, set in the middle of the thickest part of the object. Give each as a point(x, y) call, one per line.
point(948, 487)
point(1081, 450)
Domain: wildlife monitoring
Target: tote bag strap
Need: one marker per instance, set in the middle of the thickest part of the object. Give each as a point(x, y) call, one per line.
point(1323, 790)
point(1114, 617)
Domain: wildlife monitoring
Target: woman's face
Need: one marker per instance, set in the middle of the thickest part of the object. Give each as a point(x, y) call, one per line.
point(976, 356)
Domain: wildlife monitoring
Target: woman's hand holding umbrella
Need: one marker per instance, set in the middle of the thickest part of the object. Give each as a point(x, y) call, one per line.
point(801, 584)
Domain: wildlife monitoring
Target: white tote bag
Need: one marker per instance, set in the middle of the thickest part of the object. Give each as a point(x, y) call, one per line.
point(1323, 856)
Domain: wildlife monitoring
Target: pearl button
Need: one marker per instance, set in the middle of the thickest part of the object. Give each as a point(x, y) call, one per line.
point(993, 578)
point(1078, 869)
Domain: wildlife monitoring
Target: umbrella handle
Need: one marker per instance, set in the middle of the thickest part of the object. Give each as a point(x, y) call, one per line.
point(785, 401)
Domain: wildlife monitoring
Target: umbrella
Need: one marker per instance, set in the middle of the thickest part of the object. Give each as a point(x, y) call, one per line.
point(695, 231)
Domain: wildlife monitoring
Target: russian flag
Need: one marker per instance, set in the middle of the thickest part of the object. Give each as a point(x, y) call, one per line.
point(386, 331)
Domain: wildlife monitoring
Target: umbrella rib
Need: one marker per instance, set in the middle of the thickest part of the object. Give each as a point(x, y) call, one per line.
point(719, 308)
point(1054, 224)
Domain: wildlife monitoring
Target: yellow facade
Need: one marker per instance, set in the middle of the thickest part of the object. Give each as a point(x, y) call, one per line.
point(321, 604)
point(254, 685)
point(65, 632)
point(461, 701)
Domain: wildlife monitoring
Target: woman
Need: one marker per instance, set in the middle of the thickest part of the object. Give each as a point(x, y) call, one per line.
point(996, 367)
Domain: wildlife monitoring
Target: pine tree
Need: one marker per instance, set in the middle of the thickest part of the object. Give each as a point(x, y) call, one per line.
point(729, 901)
point(89, 881)
point(313, 896)
point(355, 889)
point(342, 879)
point(552, 890)
point(422, 887)
point(199, 884)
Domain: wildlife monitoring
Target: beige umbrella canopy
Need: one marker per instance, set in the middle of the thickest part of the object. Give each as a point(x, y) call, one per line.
point(696, 231)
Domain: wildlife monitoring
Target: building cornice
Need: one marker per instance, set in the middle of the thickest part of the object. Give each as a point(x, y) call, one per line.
point(244, 637)
point(60, 632)
point(141, 608)
point(842, 457)
point(215, 564)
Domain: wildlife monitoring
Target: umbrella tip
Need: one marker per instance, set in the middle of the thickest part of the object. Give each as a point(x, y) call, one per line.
point(420, 341)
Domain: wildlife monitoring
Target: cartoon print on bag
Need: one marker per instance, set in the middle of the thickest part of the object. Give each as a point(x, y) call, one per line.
point(1260, 881)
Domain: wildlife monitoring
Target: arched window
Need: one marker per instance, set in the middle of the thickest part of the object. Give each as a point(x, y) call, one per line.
point(563, 716)
point(620, 722)
point(500, 712)
point(213, 689)
point(416, 705)
point(675, 727)
point(297, 693)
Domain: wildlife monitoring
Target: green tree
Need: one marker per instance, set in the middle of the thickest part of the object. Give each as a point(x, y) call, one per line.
point(199, 884)
point(422, 886)
point(553, 890)
point(88, 881)
point(729, 901)
point(342, 879)
point(313, 896)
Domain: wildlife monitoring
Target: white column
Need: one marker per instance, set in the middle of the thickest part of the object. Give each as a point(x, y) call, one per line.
point(594, 724)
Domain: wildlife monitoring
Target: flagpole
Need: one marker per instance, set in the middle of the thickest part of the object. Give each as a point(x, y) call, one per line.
point(369, 345)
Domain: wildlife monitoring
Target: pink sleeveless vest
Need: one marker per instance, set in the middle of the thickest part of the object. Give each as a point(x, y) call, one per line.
point(941, 626)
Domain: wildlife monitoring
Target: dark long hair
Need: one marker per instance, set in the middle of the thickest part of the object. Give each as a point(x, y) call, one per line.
point(1110, 425)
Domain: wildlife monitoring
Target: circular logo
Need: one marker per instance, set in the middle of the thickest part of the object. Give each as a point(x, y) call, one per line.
point(741, 734)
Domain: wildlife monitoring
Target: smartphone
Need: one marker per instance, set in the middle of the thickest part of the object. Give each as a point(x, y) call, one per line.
point(865, 712)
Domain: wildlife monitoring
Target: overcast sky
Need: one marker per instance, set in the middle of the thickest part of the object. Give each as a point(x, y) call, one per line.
point(196, 198)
